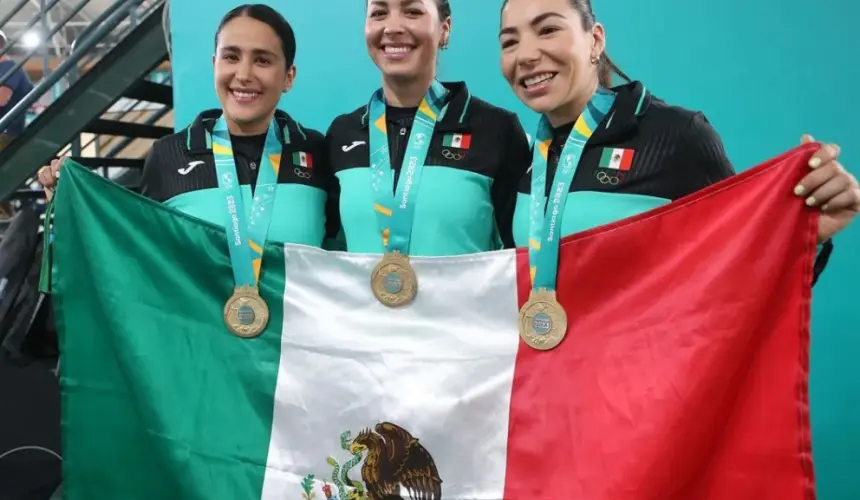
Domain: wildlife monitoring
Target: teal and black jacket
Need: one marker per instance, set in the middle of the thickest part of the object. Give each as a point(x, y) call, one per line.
point(180, 173)
point(468, 188)
point(644, 154)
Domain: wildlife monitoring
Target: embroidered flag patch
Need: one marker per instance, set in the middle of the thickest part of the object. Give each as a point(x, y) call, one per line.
point(461, 141)
point(303, 159)
point(616, 158)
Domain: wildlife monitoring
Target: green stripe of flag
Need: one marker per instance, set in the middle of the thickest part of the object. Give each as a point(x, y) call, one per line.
point(164, 300)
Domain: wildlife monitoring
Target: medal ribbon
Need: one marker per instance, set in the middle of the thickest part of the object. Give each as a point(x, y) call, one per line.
point(247, 239)
point(395, 209)
point(545, 218)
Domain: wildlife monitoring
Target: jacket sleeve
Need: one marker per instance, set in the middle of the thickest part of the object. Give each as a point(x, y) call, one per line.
point(150, 183)
point(704, 149)
point(335, 239)
point(515, 160)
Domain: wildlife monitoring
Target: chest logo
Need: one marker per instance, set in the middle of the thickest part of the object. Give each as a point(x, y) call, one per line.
point(191, 166)
point(616, 159)
point(458, 141)
point(349, 147)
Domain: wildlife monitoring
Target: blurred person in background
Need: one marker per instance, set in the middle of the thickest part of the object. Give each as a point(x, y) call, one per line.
point(12, 91)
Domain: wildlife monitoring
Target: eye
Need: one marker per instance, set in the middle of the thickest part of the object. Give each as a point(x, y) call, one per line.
point(230, 57)
point(510, 42)
point(548, 30)
point(263, 61)
point(376, 13)
point(414, 12)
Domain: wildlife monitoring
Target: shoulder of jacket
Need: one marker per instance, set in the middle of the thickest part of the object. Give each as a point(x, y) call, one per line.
point(176, 141)
point(485, 109)
point(661, 112)
point(348, 121)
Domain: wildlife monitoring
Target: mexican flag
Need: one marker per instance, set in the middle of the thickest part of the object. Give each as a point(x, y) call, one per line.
point(303, 159)
point(460, 141)
point(616, 158)
point(683, 374)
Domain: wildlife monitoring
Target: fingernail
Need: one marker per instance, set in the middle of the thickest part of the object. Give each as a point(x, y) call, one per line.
point(815, 162)
point(825, 207)
point(810, 201)
point(799, 190)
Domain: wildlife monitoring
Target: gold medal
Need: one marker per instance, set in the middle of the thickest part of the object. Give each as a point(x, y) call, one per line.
point(246, 313)
point(543, 322)
point(393, 280)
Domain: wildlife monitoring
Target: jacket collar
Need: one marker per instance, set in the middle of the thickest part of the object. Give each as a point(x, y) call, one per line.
point(198, 136)
point(457, 113)
point(632, 101)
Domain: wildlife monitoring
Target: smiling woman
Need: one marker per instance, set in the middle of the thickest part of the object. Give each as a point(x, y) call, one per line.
point(622, 150)
point(462, 155)
point(247, 139)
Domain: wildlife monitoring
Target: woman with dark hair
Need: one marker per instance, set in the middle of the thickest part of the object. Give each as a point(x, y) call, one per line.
point(271, 162)
point(426, 168)
point(624, 150)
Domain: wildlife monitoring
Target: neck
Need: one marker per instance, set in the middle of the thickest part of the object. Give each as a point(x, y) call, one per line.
point(256, 127)
point(570, 111)
point(403, 93)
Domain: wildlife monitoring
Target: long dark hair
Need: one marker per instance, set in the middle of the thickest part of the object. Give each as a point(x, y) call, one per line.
point(270, 16)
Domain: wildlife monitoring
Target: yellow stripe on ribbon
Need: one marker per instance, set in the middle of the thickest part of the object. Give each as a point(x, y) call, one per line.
point(384, 211)
point(380, 124)
point(582, 127)
point(534, 243)
point(275, 158)
point(543, 147)
point(220, 149)
point(258, 263)
point(532, 273)
point(425, 108)
point(385, 235)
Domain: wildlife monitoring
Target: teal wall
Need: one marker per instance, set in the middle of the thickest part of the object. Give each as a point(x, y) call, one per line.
point(761, 76)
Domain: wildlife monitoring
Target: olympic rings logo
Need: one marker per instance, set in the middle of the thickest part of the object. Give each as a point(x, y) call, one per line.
point(612, 180)
point(302, 173)
point(450, 155)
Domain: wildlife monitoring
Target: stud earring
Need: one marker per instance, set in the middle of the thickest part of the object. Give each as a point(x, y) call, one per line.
point(594, 60)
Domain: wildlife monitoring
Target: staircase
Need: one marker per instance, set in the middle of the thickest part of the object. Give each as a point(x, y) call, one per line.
point(112, 110)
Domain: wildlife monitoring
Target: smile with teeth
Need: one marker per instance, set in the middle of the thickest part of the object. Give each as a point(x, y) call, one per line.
point(397, 49)
point(537, 79)
point(244, 94)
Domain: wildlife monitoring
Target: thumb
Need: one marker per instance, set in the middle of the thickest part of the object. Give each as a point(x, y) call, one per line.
point(806, 139)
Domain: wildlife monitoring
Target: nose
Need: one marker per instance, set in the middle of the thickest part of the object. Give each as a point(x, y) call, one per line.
point(393, 25)
point(528, 52)
point(243, 70)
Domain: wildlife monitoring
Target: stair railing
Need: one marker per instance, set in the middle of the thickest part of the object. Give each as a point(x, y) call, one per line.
point(105, 23)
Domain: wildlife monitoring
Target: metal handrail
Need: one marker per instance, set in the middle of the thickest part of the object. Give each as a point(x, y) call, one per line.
point(38, 17)
point(117, 12)
point(126, 141)
point(53, 32)
point(120, 117)
point(92, 56)
point(12, 12)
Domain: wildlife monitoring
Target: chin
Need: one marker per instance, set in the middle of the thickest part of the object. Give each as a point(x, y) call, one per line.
point(542, 105)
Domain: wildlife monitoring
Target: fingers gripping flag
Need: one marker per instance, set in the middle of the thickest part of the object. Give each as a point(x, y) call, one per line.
point(683, 374)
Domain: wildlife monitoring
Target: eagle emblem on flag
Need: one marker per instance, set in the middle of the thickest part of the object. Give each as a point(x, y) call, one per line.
point(393, 460)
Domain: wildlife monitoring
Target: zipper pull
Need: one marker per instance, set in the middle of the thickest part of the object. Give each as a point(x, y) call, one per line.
point(253, 165)
point(402, 130)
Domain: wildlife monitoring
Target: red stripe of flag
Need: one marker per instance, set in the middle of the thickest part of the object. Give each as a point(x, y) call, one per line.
point(684, 371)
point(626, 159)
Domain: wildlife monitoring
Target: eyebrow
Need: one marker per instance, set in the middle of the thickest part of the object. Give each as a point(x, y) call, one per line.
point(403, 3)
point(510, 30)
point(234, 48)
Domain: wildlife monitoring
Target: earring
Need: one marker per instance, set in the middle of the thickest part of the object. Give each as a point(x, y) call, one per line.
point(594, 60)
